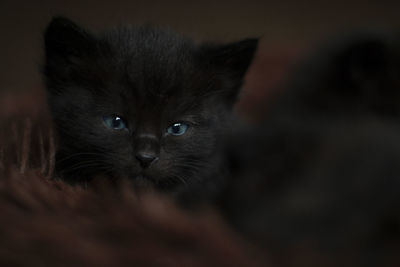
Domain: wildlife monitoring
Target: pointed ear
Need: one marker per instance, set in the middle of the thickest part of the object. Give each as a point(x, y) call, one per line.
point(66, 41)
point(231, 61)
point(234, 57)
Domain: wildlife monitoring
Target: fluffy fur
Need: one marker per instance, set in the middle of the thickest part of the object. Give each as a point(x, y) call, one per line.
point(152, 79)
point(315, 185)
point(47, 223)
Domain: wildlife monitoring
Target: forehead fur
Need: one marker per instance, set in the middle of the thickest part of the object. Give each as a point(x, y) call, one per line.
point(145, 64)
point(152, 61)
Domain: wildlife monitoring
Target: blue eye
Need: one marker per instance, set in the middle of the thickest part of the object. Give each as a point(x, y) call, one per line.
point(178, 128)
point(114, 122)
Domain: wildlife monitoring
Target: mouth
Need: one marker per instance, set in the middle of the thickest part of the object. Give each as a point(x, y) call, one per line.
point(140, 177)
point(141, 181)
point(146, 176)
point(156, 181)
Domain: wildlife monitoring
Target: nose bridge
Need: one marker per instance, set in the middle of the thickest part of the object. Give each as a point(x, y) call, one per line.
point(147, 149)
point(146, 138)
point(147, 143)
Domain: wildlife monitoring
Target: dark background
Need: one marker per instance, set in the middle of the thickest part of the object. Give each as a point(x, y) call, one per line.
point(281, 24)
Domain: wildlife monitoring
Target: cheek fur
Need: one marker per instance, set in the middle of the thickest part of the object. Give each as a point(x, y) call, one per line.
point(200, 141)
point(190, 154)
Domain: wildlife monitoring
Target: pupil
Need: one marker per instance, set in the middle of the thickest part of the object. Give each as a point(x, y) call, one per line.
point(176, 128)
point(116, 122)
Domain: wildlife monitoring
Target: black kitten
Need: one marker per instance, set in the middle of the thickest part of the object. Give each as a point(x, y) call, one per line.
point(141, 103)
point(318, 183)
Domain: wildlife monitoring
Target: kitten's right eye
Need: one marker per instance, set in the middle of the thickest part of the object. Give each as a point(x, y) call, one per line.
point(178, 128)
point(114, 122)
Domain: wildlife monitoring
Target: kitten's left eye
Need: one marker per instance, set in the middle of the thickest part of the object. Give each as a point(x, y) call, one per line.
point(178, 128)
point(114, 122)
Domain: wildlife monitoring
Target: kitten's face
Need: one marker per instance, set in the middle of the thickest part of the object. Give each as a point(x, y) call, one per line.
point(139, 103)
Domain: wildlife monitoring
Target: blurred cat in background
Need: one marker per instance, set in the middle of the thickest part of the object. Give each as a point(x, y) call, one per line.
point(318, 183)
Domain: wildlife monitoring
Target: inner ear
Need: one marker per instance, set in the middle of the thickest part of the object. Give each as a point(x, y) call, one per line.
point(231, 61)
point(234, 57)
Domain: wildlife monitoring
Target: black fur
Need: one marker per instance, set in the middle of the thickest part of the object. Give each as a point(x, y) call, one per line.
point(321, 175)
point(152, 78)
point(355, 76)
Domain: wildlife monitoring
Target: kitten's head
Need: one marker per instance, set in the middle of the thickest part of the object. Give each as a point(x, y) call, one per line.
point(139, 102)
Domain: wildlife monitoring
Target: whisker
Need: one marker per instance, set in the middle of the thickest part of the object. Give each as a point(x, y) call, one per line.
point(86, 164)
point(78, 155)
